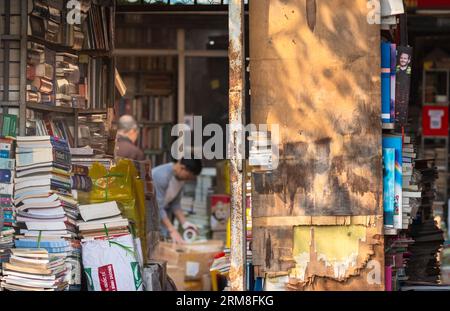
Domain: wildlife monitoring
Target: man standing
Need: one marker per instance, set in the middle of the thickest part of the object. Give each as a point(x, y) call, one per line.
point(127, 135)
point(168, 180)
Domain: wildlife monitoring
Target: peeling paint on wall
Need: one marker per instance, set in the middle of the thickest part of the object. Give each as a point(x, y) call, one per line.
point(334, 247)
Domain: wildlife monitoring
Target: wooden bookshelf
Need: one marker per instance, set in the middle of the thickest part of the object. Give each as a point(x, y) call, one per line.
point(92, 111)
point(17, 34)
point(48, 108)
point(152, 100)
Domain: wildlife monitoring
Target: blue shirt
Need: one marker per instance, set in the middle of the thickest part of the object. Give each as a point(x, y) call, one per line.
point(162, 175)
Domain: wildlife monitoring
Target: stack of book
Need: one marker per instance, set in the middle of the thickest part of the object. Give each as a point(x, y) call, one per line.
point(40, 74)
point(7, 167)
point(396, 258)
point(201, 215)
point(46, 211)
point(73, 35)
point(423, 265)
point(6, 243)
point(45, 19)
point(93, 133)
point(85, 157)
point(410, 187)
point(67, 79)
point(390, 10)
point(7, 209)
point(102, 220)
point(34, 269)
point(221, 262)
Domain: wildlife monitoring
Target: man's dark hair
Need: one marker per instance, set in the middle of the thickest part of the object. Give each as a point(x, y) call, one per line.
point(193, 165)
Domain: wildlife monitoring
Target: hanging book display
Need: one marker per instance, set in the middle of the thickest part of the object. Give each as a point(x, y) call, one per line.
point(411, 239)
point(403, 83)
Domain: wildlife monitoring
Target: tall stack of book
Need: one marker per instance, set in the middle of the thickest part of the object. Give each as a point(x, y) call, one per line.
point(7, 209)
point(34, 269)
point(67, 79)
point(411, 256)
point(410, 186)
point(201, 215)
point(423, 265)
point(46, 211)
point(40, 74)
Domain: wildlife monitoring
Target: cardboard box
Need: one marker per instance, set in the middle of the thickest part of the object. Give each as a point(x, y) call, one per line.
point(193, 259)
point(177, 275)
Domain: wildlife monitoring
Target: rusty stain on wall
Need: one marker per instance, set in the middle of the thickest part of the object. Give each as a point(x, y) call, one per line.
point(315, 72)
point(311, 13)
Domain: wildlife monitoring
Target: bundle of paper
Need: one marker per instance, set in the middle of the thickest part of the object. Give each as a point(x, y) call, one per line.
point(34, 270)
point(102, 220)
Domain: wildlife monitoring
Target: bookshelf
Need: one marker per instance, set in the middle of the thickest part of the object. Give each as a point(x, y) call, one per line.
point(58, 71)
point(151, 99)
point(435, 92)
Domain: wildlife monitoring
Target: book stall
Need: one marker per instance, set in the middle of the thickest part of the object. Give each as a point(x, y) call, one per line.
point(368, 173)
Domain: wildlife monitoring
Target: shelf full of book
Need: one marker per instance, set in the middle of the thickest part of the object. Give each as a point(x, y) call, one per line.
point(58, 70)
point(151, 99)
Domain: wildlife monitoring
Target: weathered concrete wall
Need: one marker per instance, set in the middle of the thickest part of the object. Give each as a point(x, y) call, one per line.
point(315, 68)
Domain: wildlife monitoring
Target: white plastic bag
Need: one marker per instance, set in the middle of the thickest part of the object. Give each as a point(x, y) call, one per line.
point(111, 265)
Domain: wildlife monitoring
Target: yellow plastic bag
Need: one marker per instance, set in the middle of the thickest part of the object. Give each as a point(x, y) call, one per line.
point(117, 184)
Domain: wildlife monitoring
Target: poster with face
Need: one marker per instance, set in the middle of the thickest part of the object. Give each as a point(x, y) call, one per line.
point(402, 83)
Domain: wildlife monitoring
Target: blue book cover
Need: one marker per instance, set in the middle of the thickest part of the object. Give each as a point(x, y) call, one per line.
point(5, 176)
point(259, 284)
point(48, 244)
point(394, 141)
point(393, 73)
point(386, 82)
point(4, 154)
point(388, 186)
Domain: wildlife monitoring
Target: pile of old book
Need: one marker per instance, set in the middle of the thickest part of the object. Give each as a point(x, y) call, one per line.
point(34, 269)
point(46, 210)
point(102, 220)
point(423, 263)
point(67, 79)
point(40, 71)
point(6, 243)
point(7, 210)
